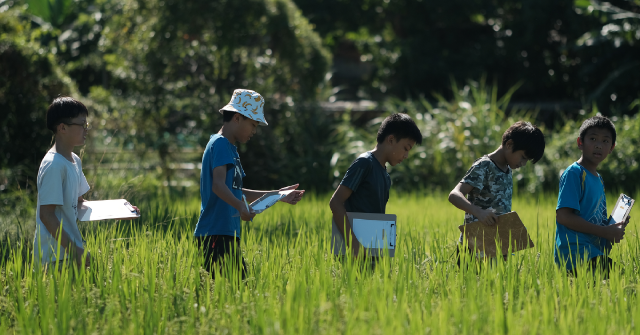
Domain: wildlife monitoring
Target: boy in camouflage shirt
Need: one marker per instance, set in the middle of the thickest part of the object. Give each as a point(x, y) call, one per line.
point(486, 189)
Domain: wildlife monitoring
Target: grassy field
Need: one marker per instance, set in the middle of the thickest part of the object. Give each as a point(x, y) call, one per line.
point(146, 278)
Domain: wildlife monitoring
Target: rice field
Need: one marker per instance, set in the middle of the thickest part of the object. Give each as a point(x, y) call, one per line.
point(146, 278)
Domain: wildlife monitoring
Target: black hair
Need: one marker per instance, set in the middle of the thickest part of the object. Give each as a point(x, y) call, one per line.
point(228, 115)
point(400, 126)
point(527, 137)
point(598, 121)
point(62, 110)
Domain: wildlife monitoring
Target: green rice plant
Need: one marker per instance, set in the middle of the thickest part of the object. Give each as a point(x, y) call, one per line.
point(146, 277)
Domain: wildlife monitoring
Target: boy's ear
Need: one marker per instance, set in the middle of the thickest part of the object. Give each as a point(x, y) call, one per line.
point(509, 144)
point(579, 141)
point(390, 139)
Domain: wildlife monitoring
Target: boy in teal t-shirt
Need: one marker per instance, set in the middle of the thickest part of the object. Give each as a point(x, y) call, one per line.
point(218, 229)
point(583, 232)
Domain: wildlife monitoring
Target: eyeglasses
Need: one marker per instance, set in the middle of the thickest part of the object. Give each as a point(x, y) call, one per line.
point(85, 126)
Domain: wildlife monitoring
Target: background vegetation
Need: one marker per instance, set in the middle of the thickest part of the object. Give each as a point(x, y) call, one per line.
point(154, 74)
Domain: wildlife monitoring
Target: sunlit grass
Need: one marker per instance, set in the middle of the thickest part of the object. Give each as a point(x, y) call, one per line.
point(146, 278)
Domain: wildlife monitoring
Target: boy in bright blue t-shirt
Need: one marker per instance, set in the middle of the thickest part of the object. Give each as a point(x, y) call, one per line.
point(218, 230)
point(583, 232)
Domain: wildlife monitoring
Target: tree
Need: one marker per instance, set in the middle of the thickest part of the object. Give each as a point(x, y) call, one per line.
point(171, 68)
point(29, 81)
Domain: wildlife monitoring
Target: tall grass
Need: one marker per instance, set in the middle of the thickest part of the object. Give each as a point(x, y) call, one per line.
point(146, 277)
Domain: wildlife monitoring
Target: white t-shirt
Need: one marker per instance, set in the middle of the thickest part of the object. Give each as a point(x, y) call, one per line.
point(60, 183)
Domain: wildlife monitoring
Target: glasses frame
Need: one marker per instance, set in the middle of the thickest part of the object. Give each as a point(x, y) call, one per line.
point(85, 126)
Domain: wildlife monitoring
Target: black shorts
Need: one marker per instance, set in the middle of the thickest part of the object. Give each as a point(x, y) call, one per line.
point(221, 253)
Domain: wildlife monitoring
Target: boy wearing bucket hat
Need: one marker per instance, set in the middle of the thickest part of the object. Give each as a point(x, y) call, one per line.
point(218, 229)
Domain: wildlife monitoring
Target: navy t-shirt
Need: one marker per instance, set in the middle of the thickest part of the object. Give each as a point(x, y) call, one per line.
point(370, 184)
point(217, 216)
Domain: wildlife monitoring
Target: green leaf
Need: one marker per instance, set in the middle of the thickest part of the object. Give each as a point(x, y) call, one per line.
point(582, 3)
point(40, 8)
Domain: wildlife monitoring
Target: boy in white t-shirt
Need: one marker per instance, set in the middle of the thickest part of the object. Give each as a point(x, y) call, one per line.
point(61, 185)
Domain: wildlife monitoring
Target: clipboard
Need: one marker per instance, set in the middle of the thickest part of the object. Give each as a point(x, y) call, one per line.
point(509, 230)
point(376, 233)
point(267, 200)
point(622, 209)
point(117, 209)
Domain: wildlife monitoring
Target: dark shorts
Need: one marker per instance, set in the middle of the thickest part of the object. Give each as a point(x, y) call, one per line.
point(222, 253)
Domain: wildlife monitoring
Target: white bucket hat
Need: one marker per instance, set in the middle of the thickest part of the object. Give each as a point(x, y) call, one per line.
point(248, 103)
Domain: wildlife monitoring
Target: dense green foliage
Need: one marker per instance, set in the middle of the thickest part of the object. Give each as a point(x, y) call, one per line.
point(29, 80)
point(154, 73)
point(146, 278)
point(566, 53)
point(458, 131)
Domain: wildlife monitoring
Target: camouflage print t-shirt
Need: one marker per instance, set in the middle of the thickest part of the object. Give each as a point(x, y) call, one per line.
point(492, 187)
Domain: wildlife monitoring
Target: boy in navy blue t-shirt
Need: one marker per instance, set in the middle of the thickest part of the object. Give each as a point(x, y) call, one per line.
point(218, 229)
point(365, 186)
point(583, 232)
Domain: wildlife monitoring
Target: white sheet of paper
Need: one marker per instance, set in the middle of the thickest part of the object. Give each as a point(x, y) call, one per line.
point(372, 234)
point(262, 204)
point(267, 202)
point(105, 210)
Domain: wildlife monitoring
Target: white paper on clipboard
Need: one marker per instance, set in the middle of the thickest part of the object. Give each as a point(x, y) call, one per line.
point(267, 200)
point(118, 209)
point(622, 209)
point(375, 234)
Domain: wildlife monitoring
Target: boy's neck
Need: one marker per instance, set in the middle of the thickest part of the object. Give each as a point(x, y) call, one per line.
point(228, 133)
point(499, 158)
point(590, 166)
point(380, 154)
point(63, 148)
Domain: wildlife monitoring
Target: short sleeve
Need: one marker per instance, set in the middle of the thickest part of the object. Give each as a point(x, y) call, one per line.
point(83, 185)
point(50, 187)
point(570, 189)
point(356, 173)
point(476, 174)
point(221, 154)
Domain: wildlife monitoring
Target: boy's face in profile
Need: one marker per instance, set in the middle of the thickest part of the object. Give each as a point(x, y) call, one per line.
point(399, 149)
point(515, 159)
point(246, 129)
point(596, 145)
point(74, 130)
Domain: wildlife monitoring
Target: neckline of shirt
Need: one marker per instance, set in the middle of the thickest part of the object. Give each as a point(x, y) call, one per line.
point(376, 162)
point(497, 167)
point(580, 165)
point(64, 158)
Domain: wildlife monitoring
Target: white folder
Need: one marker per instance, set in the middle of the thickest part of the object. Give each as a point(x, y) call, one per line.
point(118, 209)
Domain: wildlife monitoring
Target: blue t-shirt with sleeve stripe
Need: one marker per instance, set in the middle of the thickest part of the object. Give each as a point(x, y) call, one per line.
point(216, 216)
point(583, 192)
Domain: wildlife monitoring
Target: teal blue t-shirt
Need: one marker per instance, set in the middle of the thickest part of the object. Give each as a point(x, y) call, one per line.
point(583, 192)
point(216, 216)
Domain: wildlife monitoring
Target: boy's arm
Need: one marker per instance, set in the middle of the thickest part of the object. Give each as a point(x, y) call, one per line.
point(292, 198)
point(220, 189)
point(336, 204)
point(614, 233)
point(51, 222)
point(458, 198)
